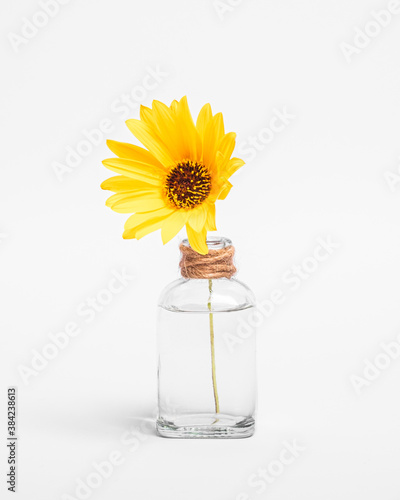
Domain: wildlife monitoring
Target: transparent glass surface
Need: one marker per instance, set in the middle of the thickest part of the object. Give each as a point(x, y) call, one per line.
point(207, 369)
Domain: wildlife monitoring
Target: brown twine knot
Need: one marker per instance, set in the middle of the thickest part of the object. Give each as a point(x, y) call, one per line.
point(216, 264)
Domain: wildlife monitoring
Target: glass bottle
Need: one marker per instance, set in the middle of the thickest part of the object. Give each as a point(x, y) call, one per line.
point(206, 367)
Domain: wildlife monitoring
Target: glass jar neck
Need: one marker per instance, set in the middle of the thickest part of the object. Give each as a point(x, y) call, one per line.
point(217, 263)
point(213, 242)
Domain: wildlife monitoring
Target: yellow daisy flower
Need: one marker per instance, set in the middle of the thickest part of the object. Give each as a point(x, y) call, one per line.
point(177, 179)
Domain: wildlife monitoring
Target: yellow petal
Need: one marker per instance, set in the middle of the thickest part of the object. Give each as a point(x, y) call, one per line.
point(218, 180)
point(162, 112)
point(174, 106)
point(190, 142)
point(167, 129)
point(212, 138)
point(149, 227)
point(221, 164)
point(140, 217)
point(145, 134)
point(233, 165)
point(210, 222)
point(145, 228)
point(140, 220)
point(219, 184)
point(173, 225)
point(203, 119)
point(129, 202)
point(146, 115)
point(225, 191)
point(197, 240)
point(198, 216)
point(136, 170)
point(227, 145)
point(120, 183)
point(132, 152)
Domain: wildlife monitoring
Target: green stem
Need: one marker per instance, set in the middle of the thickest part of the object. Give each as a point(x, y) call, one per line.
point(214, 375)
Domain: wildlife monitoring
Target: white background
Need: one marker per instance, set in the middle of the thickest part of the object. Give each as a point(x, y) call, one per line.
point(325, 174)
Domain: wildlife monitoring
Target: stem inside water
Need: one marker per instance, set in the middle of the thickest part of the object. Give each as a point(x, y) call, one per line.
point(214, 375)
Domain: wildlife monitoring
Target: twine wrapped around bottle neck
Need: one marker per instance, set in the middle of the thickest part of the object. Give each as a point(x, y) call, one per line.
point(216, 264)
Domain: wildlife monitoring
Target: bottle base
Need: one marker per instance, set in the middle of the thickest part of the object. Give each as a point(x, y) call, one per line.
point(206, 427)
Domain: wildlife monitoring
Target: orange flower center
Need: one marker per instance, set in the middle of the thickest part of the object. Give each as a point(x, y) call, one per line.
point(188, 184)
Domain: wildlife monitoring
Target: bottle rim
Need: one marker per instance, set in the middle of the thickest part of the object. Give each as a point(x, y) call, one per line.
point(213, 242)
